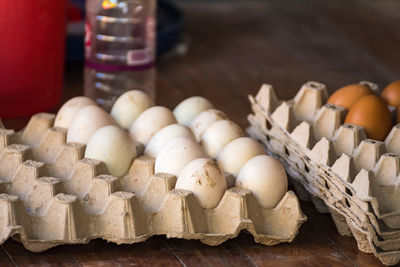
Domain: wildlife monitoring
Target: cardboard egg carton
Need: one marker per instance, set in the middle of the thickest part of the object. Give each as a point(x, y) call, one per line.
point(333, 164)
point(51, 195)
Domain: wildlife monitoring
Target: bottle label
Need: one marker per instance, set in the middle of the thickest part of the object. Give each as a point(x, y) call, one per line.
point(138, 57)
point(88, 38)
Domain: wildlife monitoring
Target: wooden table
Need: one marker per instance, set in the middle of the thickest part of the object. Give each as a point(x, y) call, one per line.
point(234, 47)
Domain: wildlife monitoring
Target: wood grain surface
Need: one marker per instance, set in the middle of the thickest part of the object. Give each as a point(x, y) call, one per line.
point(232, 48)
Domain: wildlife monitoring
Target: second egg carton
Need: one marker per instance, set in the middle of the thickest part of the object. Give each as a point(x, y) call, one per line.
point(356, 178)
point(51, 195)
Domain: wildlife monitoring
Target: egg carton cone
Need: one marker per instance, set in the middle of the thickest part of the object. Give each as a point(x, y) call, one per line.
point(51, 195)
point(355, 178)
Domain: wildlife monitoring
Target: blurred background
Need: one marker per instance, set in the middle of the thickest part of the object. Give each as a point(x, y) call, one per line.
point(227, 49)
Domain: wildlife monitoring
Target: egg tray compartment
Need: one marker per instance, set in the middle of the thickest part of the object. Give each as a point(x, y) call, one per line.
point(50, 195)
point(336, 165)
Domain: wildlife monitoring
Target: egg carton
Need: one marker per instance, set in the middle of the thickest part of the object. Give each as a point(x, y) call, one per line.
point(51, 195)
point(354, 178)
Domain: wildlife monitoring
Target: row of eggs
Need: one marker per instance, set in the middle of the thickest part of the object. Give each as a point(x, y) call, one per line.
point(195, 142)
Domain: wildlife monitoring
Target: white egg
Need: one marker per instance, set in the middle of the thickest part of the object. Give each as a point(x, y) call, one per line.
point(70, 109)
point(86, 122)
point(178, 152)
point(165, 135)
point(113, 146)
point(237, 152)
point(206, 181)
point(150, 122)
point(266, 178)
point(129, 106)
point(189, 108)
point(219, 134)
point(202, 121)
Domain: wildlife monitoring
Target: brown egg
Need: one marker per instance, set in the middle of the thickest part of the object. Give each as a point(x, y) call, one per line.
point(348, 95)
point(392, 94)
point(372, 113)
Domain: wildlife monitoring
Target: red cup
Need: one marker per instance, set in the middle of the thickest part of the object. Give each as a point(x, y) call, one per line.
point(32, 44)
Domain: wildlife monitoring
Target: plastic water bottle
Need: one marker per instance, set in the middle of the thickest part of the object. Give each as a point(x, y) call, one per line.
point(119, 48)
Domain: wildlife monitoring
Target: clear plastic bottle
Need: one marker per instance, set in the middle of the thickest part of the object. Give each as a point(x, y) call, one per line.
point(119, 48)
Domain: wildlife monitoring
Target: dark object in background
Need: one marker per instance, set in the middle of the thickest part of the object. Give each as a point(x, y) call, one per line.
point(169, 28)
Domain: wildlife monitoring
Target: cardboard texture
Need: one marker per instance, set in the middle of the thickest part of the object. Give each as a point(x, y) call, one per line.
point(50, 195)
point(356, 178)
